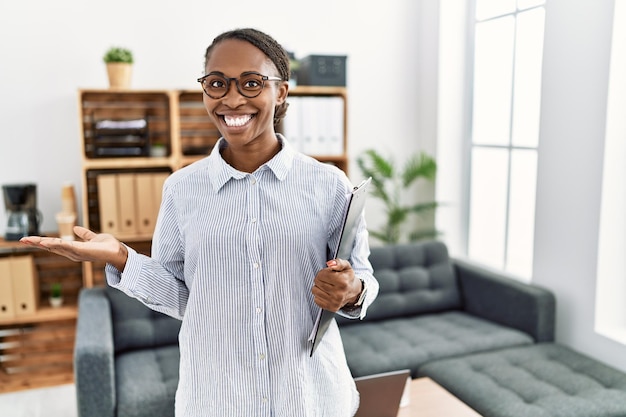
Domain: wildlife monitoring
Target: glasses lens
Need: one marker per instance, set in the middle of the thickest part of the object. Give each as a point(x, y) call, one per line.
point(215, 86)
point(250, 85)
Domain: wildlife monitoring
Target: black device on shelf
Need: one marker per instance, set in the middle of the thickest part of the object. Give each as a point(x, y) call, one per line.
point(326, 70)
point(119, 138)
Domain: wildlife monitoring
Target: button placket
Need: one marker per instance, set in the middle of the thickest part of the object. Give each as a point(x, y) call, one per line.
point(253, 243)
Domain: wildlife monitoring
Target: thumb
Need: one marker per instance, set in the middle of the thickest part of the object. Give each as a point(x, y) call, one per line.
point(84, 233)
point(338, 264)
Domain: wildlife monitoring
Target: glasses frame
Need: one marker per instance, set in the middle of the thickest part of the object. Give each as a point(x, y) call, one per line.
point(264, 78)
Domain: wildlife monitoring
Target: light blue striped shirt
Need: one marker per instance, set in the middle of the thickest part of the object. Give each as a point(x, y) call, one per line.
point(234, 256)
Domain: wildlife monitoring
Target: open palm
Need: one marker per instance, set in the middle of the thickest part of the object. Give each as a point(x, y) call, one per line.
point(92, 246)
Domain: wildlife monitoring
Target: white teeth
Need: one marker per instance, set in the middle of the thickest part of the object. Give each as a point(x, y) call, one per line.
point(237, 120)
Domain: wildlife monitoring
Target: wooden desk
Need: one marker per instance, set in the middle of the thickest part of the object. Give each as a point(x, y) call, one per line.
point(429, 399)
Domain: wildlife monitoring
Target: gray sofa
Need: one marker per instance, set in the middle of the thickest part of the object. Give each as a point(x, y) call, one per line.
point(541, 380)
point(437, 316)
point(125, 357)
point(432, 307)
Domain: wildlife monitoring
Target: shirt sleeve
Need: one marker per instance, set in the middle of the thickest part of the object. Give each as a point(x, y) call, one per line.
point(359, 259)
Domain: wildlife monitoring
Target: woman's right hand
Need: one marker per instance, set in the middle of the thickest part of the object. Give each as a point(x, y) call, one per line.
point(92, 247)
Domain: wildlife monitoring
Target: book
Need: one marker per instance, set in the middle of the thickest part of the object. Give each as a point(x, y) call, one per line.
point(354, 209)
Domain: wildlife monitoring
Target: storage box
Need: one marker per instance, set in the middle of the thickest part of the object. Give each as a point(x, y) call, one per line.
point(326, 70)
point(19, 286)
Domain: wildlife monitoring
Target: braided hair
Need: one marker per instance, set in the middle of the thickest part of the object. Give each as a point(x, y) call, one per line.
point(270, 47)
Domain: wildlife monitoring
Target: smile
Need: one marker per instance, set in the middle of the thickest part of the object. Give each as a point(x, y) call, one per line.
point(236, 121)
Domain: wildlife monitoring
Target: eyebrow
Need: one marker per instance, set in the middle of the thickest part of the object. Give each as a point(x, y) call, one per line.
point(240, 75)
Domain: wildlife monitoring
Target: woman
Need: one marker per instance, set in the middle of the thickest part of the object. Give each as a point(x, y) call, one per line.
point(239, 250)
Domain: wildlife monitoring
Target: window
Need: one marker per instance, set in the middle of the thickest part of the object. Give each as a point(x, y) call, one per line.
point(504, 134)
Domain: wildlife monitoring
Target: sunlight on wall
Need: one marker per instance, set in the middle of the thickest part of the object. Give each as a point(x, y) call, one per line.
point(610, 319)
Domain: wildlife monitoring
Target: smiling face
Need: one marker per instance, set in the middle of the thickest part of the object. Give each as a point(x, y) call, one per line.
point(246, 123)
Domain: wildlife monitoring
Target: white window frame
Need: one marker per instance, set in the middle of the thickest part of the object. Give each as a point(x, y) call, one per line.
point(509, 148)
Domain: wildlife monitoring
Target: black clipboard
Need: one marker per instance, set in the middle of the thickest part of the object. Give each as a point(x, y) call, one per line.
point(356, 202)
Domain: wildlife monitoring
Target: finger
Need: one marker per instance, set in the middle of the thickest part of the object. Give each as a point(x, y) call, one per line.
point(84, 233)
point(331, 281)
point(52, 242)
point(31, 240)
point(324, 299)
point(338, 264)
point(37, 241)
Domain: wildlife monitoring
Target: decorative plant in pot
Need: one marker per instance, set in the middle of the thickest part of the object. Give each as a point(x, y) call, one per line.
point(56, 295)
point(119, 62)
point(391, 186)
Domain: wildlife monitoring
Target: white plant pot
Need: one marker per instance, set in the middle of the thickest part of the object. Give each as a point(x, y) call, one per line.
point(56, 301)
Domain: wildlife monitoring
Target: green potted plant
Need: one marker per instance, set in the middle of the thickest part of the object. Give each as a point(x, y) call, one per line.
point(56, 295)
point(390, 185)
point(119, 63)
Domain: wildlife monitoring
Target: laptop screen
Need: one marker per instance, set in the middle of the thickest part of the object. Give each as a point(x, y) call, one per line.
point(381, 393)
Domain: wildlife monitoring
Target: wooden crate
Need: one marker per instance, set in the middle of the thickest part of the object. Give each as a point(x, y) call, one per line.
point(151, 106)
point(36, 355)
point(198, 134)
point(53, 269)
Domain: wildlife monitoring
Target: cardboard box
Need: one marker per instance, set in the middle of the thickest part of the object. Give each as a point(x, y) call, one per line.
point(19, 286)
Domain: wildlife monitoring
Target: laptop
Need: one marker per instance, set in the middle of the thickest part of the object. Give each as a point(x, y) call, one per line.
point(381, 393)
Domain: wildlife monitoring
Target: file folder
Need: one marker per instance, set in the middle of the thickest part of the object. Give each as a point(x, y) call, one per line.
point(356, 202)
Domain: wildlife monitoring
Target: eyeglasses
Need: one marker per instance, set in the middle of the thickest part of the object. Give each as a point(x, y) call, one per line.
point(249, 84)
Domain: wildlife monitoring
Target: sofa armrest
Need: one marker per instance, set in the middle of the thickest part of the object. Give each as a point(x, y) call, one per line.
point(498, 298)
point(94, 371)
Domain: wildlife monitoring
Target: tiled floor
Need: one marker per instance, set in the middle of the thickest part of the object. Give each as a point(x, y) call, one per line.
point(59, 401)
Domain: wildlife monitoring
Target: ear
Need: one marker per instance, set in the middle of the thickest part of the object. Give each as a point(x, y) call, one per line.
point(282, 91)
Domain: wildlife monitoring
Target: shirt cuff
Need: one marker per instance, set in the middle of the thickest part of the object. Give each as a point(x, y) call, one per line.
point(124, 279)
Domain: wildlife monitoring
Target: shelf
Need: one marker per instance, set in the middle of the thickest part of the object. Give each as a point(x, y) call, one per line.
point(44, 314)
point(188, 160)
point(9, 248)
point(127, 162)
point(314, 90)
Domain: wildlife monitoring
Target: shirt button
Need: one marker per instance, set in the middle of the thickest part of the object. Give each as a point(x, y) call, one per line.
point(253, 220)
point(252, 181)
point(256, 265)
point(264, 399)
point(258, 310)
point(261, 356)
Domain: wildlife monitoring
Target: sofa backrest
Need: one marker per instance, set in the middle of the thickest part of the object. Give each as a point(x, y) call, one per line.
point(135, 326)
point(414, 278)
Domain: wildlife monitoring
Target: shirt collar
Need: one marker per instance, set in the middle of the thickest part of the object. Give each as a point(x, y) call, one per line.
point(221, 172)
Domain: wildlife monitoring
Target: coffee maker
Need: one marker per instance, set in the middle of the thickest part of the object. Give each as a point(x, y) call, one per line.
point(23, 218)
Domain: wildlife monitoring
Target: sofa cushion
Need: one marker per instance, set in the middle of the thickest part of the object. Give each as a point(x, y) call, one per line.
point(410, 342)
point(543, 380)
point(137, 327)
point(414, 278)
point(146, 382)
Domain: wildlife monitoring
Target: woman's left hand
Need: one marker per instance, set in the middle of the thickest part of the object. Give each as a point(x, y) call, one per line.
point(336, 285)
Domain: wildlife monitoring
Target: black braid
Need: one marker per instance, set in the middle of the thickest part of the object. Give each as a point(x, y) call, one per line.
point(270, 47)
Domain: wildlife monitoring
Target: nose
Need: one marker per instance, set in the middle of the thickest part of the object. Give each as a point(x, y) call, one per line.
point(233, 97)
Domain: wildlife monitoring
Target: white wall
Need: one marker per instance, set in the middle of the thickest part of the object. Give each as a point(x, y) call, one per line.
point(610, 308)
point(571, 150)
point(56, 47)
